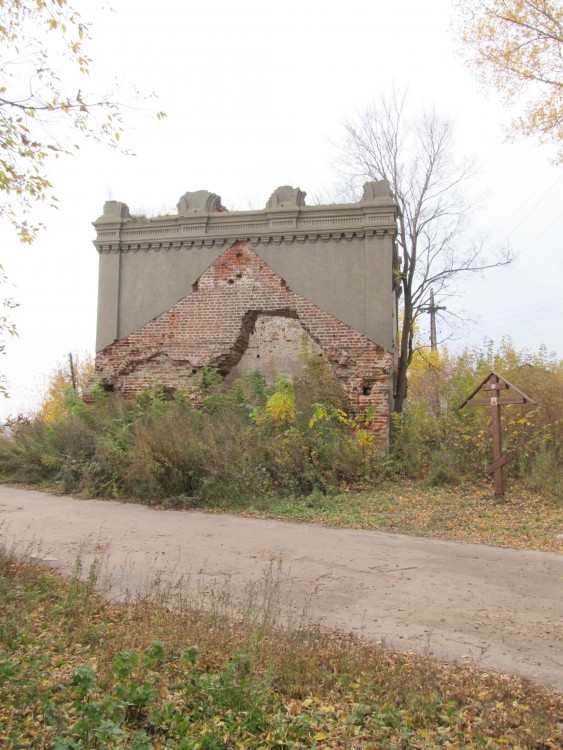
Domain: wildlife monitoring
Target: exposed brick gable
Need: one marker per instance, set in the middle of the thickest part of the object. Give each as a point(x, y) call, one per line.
point(212, 326)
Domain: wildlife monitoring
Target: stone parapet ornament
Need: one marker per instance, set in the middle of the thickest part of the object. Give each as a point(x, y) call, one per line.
point(374, 190)
point(199, 202)
point(203, 222)
point(114, 211)
point(286, 197)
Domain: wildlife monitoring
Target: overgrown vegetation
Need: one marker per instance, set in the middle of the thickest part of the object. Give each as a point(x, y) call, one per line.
point(464, 513)
point(250, 440)
point(437, 440)
point(77, 672)
point(256, 445)
point(55, 404)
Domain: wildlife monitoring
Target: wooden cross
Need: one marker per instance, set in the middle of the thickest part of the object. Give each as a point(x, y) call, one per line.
point(495, 383)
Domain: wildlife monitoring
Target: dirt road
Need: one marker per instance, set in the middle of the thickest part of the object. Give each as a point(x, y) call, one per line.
point(501, 608)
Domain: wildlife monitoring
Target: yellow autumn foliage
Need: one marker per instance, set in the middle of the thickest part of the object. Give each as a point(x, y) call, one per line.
point(517, 47)
point(54, 406)
point(433, 424)
point(280, 407)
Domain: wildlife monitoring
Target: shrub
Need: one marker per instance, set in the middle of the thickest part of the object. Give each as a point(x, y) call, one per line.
point(432, 426)
point(252, 440)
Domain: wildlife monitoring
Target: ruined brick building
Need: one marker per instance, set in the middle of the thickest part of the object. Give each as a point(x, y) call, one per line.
point(240, 290)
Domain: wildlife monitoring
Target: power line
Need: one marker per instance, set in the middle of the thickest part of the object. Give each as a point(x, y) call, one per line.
point(531, 195)
point(515, 319)
point(517, 332)
point(539, 236)
point(548, 302)
point(519, 312)
point(523, 219)
point(519, 319)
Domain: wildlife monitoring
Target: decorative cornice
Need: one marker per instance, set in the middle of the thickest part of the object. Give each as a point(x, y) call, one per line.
point(285, 220)
point(286, 197)
point(199, 202)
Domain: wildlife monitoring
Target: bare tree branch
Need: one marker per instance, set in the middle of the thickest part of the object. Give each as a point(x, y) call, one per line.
point(416, 156)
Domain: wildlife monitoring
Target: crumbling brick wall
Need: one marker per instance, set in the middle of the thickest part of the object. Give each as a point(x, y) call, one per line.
point(212, 326)
point(277, 345)
point(207, 286)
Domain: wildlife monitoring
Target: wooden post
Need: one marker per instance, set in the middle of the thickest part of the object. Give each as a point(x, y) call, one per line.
point(495, 384)
point(433, 337)
point(497, 464)
point(433, 309)
point(72, 375)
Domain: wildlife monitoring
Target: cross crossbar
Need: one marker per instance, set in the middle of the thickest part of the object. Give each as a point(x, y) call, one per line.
point(495, 384)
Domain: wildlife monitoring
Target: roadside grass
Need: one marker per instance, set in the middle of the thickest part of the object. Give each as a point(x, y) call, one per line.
point(464, 513)
point(79, 672)
point(288, 450)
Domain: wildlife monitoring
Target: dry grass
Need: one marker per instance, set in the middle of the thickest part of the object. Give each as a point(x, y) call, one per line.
point(155, 672)
point(523, 520)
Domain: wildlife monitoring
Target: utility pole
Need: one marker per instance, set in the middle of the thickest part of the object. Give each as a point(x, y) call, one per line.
point(72, 375)
point(433, 309)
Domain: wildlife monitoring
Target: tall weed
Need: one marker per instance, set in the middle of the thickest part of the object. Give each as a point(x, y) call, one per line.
point(252, 440)
point(436, 438)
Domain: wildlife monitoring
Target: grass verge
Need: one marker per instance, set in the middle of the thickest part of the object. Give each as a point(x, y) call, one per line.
point(77, 672)
point(469, 514)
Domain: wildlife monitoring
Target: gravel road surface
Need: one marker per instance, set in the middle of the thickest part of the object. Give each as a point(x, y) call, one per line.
point(500, 608)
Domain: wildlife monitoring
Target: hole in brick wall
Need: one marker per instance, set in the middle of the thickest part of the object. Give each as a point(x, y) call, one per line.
point(195, 286)
point(194, 371)
point(367, 390)
point(239, 254)
point(231, 281)
point(275, 347)
point(108, 387)
point(239, 275)
point(223, 372)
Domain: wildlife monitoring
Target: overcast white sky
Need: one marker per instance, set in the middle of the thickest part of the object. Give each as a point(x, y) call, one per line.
point(256, 93)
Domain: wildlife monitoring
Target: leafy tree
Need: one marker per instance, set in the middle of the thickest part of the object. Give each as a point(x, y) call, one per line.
point(56, 402)
point(416, 156)
point(6, 325)
point(517, 46)
point(42, 65)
